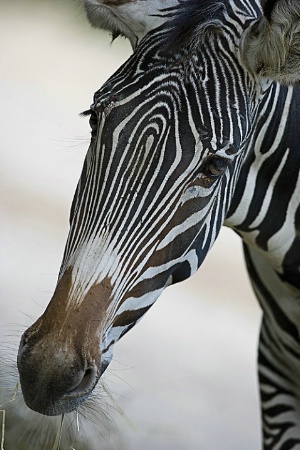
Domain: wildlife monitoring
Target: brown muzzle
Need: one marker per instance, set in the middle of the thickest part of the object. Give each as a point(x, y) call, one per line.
point(59, 358)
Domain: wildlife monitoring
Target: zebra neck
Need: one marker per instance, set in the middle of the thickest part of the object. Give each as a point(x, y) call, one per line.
point(264, 206)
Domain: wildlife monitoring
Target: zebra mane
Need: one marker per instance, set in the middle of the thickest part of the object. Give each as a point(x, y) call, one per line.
point(194, 22)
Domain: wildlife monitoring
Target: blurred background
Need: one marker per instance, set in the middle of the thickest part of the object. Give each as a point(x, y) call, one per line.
point(185, 376)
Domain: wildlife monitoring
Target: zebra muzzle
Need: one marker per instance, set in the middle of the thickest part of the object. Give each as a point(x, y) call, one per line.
point(59, 357)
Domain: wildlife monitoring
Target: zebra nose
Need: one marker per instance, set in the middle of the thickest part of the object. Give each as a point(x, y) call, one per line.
point(59, 359)
point(54, 381)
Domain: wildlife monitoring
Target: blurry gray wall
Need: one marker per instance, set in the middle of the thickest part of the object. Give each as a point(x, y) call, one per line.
point(186, 375)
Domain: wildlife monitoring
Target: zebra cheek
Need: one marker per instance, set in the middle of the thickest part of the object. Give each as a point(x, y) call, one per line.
point(59, 358)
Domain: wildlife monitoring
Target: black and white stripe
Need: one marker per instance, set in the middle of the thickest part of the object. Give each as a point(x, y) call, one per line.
point(183, 140)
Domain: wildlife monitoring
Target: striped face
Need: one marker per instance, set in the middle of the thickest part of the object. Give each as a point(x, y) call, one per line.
point(156, 183)
point(168, 139)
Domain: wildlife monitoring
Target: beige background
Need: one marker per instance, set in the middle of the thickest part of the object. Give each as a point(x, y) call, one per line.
point(186, 375)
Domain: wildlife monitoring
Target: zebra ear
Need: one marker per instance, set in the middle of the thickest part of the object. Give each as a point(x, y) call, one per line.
point(271, 47)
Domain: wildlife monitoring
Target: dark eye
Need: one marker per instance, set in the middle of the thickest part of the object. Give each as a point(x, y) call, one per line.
point(214, 166)
point(93, 122)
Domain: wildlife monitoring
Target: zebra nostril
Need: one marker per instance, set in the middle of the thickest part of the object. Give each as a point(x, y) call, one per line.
point(85, 384)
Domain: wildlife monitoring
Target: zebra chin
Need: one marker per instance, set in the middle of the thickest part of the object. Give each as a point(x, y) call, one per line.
point(59, 358)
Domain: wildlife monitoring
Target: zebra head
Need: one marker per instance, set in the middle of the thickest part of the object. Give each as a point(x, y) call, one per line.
point(170, 131)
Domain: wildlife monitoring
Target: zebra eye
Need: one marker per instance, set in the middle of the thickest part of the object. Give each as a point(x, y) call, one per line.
point(214, 166)
point(93, 122)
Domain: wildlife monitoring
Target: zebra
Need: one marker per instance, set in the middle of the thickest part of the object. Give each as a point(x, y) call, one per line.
point(196, 130)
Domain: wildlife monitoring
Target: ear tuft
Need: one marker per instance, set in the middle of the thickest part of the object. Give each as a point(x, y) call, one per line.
point(271, 47)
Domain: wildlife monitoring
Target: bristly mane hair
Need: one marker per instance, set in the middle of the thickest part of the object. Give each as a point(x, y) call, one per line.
point(194, 22)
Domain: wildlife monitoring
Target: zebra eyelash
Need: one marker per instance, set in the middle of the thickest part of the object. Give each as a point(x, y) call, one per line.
point(93, 119)
point(86, 113)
